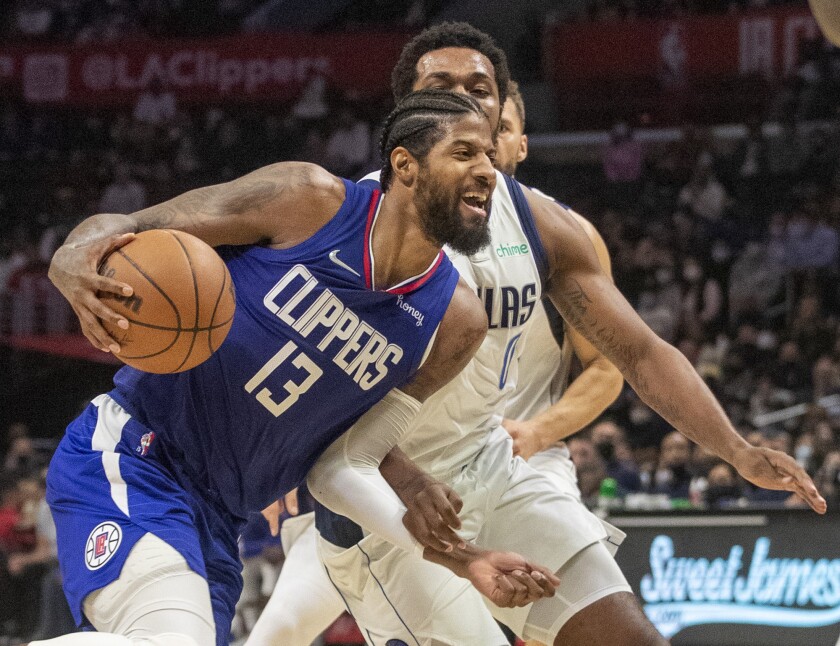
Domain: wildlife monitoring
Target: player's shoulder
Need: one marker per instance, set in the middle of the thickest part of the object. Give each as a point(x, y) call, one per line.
point(466, 310)
point(302, 177)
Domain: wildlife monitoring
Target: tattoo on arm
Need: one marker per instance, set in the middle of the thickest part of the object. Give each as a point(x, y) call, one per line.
point(624, 355)
point(247, 194)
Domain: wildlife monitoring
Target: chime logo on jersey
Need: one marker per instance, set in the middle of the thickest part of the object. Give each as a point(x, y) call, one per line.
point(102, 544)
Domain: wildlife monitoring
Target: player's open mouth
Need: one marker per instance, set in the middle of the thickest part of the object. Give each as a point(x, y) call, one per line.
point(476, 202)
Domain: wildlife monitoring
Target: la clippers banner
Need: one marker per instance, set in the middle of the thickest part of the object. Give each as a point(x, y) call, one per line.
point(765, 42)
point(741, 579)
point(245, 67)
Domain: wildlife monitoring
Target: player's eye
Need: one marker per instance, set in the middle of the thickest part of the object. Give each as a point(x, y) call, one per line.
point(481, 92)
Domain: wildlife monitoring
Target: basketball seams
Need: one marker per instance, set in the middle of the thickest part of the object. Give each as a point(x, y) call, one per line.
point(195, 292)
point(166, 297)
point(151, 281)
point(160, 272)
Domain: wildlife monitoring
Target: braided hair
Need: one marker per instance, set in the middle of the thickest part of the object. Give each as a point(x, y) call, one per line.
point(448, 34)
point(418, 122)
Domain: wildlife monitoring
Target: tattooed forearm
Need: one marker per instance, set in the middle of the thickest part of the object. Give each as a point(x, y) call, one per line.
point(625, 355)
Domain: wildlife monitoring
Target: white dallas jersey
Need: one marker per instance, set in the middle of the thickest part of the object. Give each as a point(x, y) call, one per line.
point(453, 424)
point(543, 365)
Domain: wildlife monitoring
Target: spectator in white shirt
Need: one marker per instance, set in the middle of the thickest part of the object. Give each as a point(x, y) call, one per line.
point(124, 194)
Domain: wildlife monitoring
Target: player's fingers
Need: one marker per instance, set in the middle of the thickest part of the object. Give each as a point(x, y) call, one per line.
point(291, 502)
point(550, 577)
point(533, 589)
point(799, 482)
point(503, 592)
point(520, 590)
point(96, 334)
point(429, 506)
point(547, 588)
point(417, 527)
point(457, 504)
point(102, 248)
point(103, 312)
point(108, 285)
point(440, 500)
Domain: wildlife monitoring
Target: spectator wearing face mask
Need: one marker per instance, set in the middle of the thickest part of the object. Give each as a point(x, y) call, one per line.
point(723, 490)
point(610, 442)
point(673, 477)
point(590, 466)
point(702, 301)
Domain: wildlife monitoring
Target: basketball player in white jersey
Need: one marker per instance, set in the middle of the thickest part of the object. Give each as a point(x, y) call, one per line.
point(304, 602)
point(458, 435)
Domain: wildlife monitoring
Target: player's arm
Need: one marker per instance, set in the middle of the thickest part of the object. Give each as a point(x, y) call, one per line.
point(281, 204)
point(597, 386)
point(657, 371)
point(347, 480)
point(367, 444)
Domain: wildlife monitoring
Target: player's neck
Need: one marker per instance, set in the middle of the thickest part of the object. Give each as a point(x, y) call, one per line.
point(400, 248)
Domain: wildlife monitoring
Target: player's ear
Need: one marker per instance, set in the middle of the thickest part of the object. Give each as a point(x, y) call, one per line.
point(522, 153)
point(404, 165)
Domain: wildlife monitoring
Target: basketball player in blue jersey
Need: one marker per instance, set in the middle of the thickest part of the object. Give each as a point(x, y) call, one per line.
point(348, 314)
point(537, 246)
point(540, 412)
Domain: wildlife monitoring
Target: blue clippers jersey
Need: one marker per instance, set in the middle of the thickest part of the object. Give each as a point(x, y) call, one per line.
point(311, 348)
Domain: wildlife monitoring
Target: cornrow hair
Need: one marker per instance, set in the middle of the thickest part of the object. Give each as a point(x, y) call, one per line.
point(417, 124)
point(448, 34)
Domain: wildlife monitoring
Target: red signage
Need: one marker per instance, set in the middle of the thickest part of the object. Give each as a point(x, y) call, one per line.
point(243, 67)
point(680, 50)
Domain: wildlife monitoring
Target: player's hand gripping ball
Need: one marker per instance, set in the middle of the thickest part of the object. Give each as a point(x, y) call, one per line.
point(827, 13)
point(183, 302)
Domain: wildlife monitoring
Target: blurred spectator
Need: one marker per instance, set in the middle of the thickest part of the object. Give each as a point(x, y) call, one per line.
point(590, 466)
point(704, 195)
point(791, 371)
point(34, 18)
point(809, 243)
point(124, 194)
point(813, 333)
point(348, 146)
point(610, 442)
point(755, 281)
point(722, 490)
point(702, 301)
point(623, 160)
point(156, 106)
point(673, 476)
point(312, 104)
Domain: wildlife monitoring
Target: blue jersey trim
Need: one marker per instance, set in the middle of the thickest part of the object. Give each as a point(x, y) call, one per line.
point(526, 219)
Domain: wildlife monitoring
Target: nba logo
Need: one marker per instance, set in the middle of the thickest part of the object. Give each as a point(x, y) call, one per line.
point(102, 544)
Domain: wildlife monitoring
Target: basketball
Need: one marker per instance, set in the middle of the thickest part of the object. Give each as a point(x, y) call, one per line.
point(827, 13)
point(183, 302)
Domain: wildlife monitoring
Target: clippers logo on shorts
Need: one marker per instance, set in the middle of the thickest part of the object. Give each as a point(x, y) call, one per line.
point(102, 544)
point(395, 642)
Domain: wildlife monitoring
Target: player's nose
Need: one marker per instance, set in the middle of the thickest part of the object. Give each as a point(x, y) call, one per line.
point(484, 171)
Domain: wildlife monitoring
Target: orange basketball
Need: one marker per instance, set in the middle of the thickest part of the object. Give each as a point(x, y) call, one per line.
point(827, 13)
point(183, 302)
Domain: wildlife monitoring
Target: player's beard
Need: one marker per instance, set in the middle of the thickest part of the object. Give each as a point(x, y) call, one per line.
point(441, 219)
